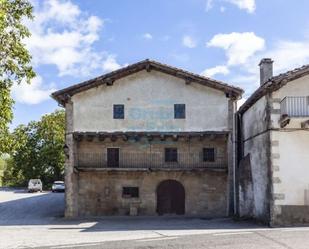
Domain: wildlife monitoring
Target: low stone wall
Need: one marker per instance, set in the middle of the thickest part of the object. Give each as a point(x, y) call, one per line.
point(100, 192)
point(288, 215)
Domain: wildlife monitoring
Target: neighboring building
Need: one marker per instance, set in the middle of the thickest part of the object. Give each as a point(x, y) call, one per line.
point(274, 141)
point(149, 139)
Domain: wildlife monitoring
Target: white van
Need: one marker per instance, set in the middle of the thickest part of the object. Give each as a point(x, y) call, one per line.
point(35, 185)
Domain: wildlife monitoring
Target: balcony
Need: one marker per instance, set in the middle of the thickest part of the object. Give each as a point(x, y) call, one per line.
point(153, 160)
point(295, 107)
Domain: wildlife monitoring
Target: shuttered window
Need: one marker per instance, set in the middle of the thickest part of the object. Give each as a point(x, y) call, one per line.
point(179, 111)
point(118, 111)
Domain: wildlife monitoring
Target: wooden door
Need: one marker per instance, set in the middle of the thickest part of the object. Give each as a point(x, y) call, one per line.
point(113, 157)
point(170, 198)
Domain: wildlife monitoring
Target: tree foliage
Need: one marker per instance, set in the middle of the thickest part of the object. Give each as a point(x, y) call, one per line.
point(38, 151)
point(15, 60)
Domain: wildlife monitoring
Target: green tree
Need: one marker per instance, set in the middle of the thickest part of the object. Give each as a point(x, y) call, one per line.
point(38, 151)
point(2, 169)
point(15, 60)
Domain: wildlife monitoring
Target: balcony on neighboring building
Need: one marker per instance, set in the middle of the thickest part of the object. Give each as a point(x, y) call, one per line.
point(294, 107)
point(154, 160)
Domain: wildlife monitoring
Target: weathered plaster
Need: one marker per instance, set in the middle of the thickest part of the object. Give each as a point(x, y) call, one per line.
point(282, 152)
point(254, 200)
point(149, 99)
point(71, 176)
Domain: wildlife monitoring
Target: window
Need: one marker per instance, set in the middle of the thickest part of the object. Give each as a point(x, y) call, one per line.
point(208, 154)
point(171, 155)
point(113, 157)
point(130, 192)
point(118, 111)
point(179, 111)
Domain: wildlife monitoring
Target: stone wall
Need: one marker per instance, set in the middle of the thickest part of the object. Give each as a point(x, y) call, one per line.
point(188, 148)
point(100, 192)
point(287, 215)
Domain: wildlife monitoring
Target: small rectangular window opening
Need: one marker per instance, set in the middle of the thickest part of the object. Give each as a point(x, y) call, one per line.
point(130, 192)
point(179, 111)
point(118, 112)
point(208, 154)
point(171, 155)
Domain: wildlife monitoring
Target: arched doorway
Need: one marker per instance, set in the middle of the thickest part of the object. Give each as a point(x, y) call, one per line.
point(170, 198)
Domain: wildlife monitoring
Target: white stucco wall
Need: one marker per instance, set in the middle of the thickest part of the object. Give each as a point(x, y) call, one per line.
point(255, 141)
point(149, 99)
point(293, 151)
point(293, 166)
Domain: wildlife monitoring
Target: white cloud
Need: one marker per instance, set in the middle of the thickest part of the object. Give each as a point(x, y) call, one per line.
point(288, 55)
point(210, 72)
point(209, 5)
point(188, 41)
point(33, 93)
point(239, 47)
point(64, 36)
point(110, 64)
point(147, 36)
point(248, 5)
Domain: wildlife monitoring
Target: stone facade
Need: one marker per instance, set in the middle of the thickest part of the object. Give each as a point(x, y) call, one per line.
point(149, 97)
point(205, 189)
point(100, 193)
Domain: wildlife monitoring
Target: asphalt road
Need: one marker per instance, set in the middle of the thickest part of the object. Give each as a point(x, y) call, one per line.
point(275, 239)
point(36, 221)
point(18, 207)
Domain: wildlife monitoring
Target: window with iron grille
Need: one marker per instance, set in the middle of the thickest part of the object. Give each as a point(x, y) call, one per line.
point(118, 111)
point(179, 111)
point(130, 192)
point(171, 155)
point(208, 154)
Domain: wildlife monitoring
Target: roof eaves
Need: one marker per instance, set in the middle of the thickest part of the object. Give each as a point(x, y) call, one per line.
point(274, 84)
point(62, 95)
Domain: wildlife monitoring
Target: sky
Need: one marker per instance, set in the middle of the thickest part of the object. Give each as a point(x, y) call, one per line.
point(73, 41)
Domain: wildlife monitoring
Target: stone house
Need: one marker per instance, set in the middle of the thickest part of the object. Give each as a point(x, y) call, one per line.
point(273, 148)
point(149, 139)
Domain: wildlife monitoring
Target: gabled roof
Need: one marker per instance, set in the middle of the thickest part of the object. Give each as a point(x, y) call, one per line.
point(274, 84)
point(63, 95)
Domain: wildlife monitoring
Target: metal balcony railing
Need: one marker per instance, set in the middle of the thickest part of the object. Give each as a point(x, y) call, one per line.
point(295, 106)
point(147, 160)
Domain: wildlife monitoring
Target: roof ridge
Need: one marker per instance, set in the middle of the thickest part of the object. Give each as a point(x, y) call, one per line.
point(61, 95)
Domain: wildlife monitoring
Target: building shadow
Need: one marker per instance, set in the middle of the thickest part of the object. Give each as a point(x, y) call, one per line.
point(168, 223)
point(37, 209)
